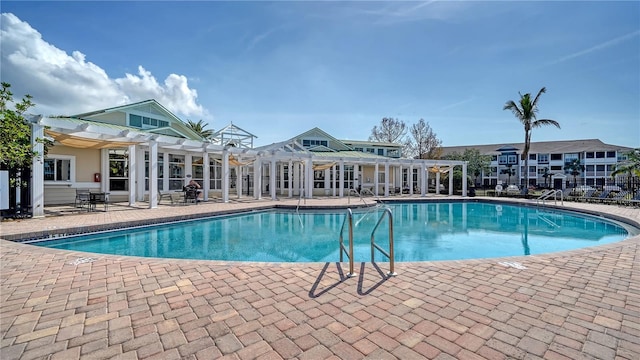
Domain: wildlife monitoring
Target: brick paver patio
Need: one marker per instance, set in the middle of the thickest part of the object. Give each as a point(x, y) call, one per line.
point(581, 304)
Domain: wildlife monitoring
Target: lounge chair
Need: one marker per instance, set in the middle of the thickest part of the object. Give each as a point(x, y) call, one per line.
point(164, 195)
point(618, 198)
point(635, 200)
point(586, 195)
point(602, 196)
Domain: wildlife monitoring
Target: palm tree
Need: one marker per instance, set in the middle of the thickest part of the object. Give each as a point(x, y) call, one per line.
point(526, 111)
point(199, 128)
point(631, 166)
point(509, 171)
point(546, 175)
point(575, 168)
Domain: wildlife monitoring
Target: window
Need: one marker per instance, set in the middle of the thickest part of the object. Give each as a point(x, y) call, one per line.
point(318, 179)
point(118, 170)
point(512, 159)
point(359, 149)
point(502, 160)
point(371, 150)
point(600, 155)
point(59, 168)
point(176, 171)
point(381, 152)
point(556, 157)
point(393, 153)
point(494, 157)
point(556, 168)
point(611, 154)
point(146, 122)
point(197, 170)
point(543, 158)
point(160, 170)
point(532, 156)
point(599, 167)
point(589, 155)
point(310, 143)
point(215, 171)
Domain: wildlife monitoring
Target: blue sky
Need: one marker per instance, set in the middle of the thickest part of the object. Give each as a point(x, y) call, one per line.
point(277, 69)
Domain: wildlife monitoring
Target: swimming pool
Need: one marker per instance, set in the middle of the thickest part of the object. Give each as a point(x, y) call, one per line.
point(422, 232)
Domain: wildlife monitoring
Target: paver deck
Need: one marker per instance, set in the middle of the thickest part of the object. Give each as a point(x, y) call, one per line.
point(581, 304)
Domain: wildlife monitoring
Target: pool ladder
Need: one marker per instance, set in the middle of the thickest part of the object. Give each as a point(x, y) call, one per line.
point(348, 219)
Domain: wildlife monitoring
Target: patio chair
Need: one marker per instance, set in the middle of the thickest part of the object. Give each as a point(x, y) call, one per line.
point(164, 195)
point(82, 198)
point(586, 195)
point(190, 194)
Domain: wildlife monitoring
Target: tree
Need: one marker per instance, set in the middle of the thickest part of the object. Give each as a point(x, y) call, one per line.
point(509, 171)
point(631, 166)
point(575, 168)
point(16, 150)
point(424, 143)
point(477, 163)
point(546, 175)
point(199, 128)
point(390, 130)
point(525, 110)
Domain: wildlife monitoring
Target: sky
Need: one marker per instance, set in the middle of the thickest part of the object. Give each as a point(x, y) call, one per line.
point(277, 69)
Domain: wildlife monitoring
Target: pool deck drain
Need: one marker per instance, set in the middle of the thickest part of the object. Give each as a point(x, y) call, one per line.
point(579, 304)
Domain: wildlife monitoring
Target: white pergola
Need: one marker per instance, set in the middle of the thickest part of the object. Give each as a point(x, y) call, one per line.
point(299, 161)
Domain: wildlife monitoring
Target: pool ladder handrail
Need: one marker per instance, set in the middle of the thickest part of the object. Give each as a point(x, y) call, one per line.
point(374, 246)
point(343, 250)
point(549, 193)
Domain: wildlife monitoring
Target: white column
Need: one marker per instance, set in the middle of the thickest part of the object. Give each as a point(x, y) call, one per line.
point(140, 188)
point(386, 179)
point(272, 179)
point(37, 171)
point(341, 185)
point(257, 179)
point(410, 179)
point(290, 173)
point(281, 169)
point(133, 171)
point(206, 181)
point(308, 164)
point(451, 180)
point(153, 174)
point(423, 179)
point(426, 180)
point(327, 174)
point(334, 169)
point(104, 169)
point(225, 176)
point(438, 183)
point(239, 179)
point(464, 181)
point(376, 171)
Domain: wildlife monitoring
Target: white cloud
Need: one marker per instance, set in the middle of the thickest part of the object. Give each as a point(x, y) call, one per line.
point(63, 84)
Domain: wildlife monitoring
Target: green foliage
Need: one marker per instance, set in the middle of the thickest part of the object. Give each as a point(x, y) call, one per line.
point(15, 132)
point(477, 163)
point(574, 167)
point(199, 128)
point(525, 110)
point(631, 166)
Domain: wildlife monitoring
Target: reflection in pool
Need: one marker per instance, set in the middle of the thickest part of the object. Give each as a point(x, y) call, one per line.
point(422, 231)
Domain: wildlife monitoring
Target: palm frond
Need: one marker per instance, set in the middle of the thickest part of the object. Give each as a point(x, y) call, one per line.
point(544, 122)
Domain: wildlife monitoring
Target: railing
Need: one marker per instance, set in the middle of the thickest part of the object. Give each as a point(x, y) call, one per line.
point(371, 209)
point(376, 246)
point(354, 191)
point(548, 194)
point(343, 250)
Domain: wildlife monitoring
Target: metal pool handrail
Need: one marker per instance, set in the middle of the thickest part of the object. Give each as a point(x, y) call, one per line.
point(387, 211)
point(343, 250)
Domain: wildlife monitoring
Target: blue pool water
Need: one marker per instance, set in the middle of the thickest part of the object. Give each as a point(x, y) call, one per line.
point(422, 231)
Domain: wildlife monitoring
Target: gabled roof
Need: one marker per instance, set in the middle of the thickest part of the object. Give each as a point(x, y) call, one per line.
point(234, 135)
point(150, 106)
point(319, 133)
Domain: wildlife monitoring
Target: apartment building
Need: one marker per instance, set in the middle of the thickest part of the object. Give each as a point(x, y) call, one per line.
point(548, 161)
